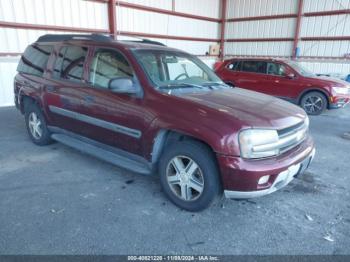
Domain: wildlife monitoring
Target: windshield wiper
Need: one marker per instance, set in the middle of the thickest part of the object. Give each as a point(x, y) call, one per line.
point(214, 85)
point(180, 85)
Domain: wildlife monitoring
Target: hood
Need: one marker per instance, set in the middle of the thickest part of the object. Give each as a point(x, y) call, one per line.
point(328, 81)
point(251, 109)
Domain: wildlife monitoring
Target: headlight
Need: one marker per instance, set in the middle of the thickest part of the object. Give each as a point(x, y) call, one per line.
point(252, 140)
point(307, 122)
point(341, 90)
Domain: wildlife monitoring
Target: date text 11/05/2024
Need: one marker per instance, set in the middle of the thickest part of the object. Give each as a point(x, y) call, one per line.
point(173, 258)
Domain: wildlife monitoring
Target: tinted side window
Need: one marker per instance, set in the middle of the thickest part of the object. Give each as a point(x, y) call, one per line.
point(34, 60)
point(276, 69)
point(106, 65)
point(254, 67)
point(70, 63)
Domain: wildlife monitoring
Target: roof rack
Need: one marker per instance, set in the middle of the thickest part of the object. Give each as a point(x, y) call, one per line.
point(67, 37)
point(90, 37)
point(145, 41)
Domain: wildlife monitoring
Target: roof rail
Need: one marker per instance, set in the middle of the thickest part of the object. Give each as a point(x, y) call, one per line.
point(90, 37)
point(67, 37)
point(145, 41)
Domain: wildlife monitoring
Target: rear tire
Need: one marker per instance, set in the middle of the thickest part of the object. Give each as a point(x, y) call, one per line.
point(189, 175)
point(36, 124)
point(314, 103)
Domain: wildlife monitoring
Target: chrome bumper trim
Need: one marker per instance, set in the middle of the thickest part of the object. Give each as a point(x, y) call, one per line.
point(283, 179)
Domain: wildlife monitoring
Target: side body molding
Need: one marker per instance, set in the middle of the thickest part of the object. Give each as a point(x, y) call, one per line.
point(97, 122)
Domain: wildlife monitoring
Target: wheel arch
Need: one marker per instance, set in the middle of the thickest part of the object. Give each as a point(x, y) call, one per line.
point(165, 137)
point(24, 99)
point(315, 89)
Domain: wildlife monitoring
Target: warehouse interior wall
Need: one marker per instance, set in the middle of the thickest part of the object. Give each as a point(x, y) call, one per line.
point(252, 28)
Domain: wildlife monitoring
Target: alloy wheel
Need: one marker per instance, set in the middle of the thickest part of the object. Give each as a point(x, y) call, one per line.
point(34, 124)
point(313, 104)
point(185, 178)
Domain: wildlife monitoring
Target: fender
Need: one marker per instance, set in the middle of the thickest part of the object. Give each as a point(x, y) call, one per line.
point(160, 132)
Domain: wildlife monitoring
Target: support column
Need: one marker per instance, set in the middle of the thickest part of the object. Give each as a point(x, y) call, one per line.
point(112, 18)
point(297, 28)
point(223, 26)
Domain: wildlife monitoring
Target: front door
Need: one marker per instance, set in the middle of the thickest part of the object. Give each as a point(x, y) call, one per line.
point(280, 84)
point(120, 118)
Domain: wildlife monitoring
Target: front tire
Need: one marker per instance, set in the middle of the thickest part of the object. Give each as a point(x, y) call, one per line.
point(314, 103)
point(189, 175)
point(36, 125)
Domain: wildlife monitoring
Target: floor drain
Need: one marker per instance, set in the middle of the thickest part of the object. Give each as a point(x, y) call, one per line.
point(346, 135)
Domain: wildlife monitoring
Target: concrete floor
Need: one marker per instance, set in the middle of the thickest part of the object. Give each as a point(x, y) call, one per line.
point(55, 200)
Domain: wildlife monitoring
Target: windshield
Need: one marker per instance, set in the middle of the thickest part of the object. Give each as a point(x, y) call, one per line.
point(300, 69)
point(176, 70)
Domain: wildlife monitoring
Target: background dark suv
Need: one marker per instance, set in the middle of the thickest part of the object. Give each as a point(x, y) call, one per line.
point(156, 110)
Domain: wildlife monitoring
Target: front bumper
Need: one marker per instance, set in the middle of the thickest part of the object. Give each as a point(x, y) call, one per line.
point(240, 177)
point(283, 179)
point(339, 101)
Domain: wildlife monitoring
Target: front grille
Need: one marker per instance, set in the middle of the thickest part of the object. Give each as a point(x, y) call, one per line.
point(291, 137)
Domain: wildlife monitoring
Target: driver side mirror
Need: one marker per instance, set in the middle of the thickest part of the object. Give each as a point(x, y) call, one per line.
point(122, 85)
point(290, 76)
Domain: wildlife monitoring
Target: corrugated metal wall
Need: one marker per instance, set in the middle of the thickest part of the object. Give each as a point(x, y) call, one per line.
point(85, 14)
point(249, 8)
point(129, 19)
point(273, 28)
point(325, 5)
point(336, 25)
point(258, 48)
point(153, 3)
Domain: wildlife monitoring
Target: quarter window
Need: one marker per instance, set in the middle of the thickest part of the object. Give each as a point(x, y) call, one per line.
point(235, 66)
point(106, 65)
point(70, 63)
point(34, 59)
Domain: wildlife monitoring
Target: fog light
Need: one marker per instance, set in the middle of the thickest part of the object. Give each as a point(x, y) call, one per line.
point(263, 180)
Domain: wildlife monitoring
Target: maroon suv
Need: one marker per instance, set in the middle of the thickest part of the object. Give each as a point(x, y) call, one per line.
point(157, 110)
point(288, 80)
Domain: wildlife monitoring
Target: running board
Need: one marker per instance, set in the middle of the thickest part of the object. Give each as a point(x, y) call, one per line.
point(113, 156)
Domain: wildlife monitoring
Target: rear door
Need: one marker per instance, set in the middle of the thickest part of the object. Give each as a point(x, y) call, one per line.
point(67, 89)
point(252, 75)
point(230, 72)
